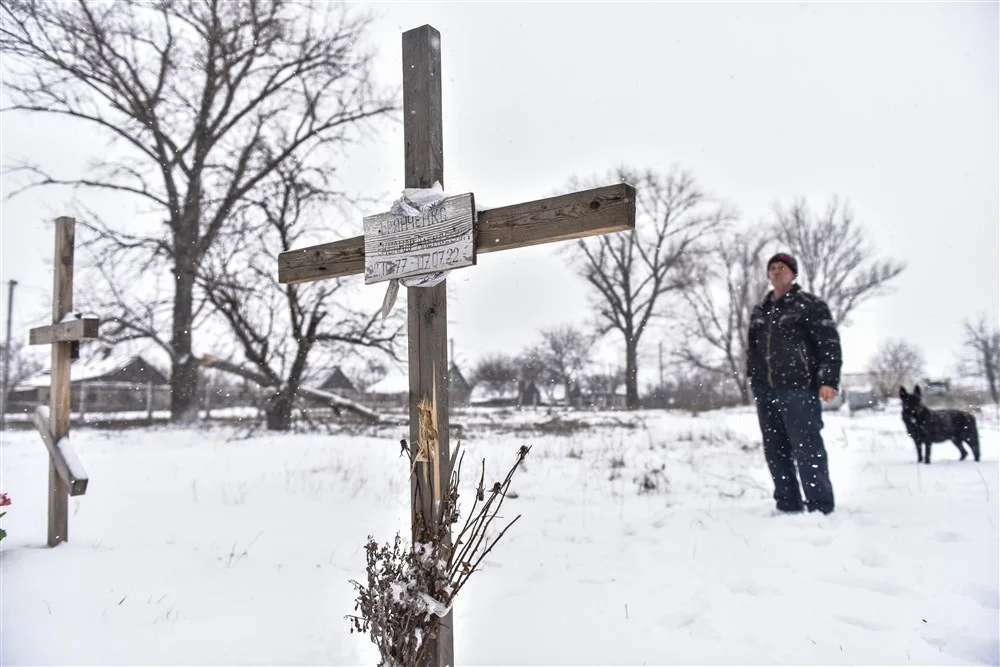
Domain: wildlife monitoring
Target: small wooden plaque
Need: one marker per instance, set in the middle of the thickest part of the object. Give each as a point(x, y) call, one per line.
point(441, 239)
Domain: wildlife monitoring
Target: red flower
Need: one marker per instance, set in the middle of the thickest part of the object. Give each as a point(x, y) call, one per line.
point(4, 500)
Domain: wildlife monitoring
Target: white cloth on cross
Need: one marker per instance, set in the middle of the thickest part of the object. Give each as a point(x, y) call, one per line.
point(414, 201)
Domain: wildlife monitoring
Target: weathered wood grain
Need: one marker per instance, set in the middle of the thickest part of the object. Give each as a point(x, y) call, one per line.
point(572, 216)
point(59, 390)
point(610, 208)
point(427, 307)
point(321, 262)
point(72, 330)
point(67, 465)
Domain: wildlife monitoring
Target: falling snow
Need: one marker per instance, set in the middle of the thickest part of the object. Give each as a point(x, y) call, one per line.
point(647, 538)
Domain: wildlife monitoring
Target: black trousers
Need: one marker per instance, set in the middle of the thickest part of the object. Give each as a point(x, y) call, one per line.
point(790, 422)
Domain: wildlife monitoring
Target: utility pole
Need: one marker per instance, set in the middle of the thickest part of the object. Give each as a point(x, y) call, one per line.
point(11, 284)
point(661, 366)
point(659, 389)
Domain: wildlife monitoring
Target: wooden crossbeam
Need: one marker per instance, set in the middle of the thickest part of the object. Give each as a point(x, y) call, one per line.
point(66, 475)
point(69, 331)
point(572, 216)
point(587, 213)
point(67, 466)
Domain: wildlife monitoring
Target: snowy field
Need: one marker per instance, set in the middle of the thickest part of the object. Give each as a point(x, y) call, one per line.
point(645, 538)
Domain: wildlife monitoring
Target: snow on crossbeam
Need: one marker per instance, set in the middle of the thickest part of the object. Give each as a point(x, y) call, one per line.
point(66, 463)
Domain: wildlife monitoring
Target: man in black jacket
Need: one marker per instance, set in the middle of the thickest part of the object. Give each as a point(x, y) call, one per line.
point(793, 361)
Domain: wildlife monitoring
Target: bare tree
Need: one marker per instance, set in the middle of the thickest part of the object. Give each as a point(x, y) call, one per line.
point(204, 99)
point(21, 366)
point(603, 384)
point(834, 254)
point(530, 368)
point(697, 390)
point(894, 364)
point(371, 371)
point(279, 326)
point(495, 371)
point(564, 354)
point(715, 337)
point(631, 272)
point(982, 342)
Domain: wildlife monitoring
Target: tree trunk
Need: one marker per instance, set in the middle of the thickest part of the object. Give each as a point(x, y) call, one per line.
point(744, 385)
point(183, 365)
point(279, 410)
point(631, 374)
point(991, 379)
point(333, 400)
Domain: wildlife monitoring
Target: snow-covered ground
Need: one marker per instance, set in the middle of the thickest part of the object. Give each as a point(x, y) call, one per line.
point(645, 538)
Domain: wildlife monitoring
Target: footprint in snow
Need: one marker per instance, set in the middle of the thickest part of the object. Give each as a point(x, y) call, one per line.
point(862, 623)
point(872, 585)
point(984, 595)
point(949, 536)
point(744, 587)
point(872, 558)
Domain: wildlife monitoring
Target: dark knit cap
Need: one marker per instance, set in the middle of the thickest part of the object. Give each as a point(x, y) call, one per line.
point(785, 259)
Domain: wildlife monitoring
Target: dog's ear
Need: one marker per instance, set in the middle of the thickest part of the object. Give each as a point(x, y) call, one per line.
point(916, 391)
point(902, 391)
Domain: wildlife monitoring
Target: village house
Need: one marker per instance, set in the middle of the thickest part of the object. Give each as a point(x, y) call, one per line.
point(392, 392)
point(338, 383)
point(507, 395)
point(104, 382)
point(459, 389)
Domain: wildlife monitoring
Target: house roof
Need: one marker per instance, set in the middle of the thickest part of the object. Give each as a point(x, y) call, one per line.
point(456, 380)
point(97, 367)
point(337, 381)
point(396, 382)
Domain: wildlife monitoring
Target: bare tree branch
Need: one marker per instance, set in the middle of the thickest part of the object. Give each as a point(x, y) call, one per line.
point(982, 342)
point(279, 328)
point(834, 255)
point(564, 354)
point(894, 364)
point(632, 272)
point(330, 398)
point(204, 100)
point(734, 281)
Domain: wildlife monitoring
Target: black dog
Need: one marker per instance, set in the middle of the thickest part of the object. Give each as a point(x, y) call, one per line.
point(926, 426)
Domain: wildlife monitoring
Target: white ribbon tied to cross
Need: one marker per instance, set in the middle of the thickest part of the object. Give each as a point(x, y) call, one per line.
point(415, 201)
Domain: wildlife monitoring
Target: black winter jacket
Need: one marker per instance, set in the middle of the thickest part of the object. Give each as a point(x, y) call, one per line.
point(793, 342)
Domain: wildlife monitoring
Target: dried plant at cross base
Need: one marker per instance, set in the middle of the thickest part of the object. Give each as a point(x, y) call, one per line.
point(411, 588)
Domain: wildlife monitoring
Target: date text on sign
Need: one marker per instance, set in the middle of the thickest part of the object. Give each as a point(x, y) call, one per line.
point(399, 246)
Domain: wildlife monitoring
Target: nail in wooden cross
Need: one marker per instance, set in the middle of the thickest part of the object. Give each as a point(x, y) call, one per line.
point(431, 242)
point(66, 475)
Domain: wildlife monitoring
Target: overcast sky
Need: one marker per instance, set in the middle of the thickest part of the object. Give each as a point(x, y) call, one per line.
point(892, 106)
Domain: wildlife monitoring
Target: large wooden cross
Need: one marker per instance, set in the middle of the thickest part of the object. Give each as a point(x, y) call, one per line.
point(66, 475)
point(572, 216)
